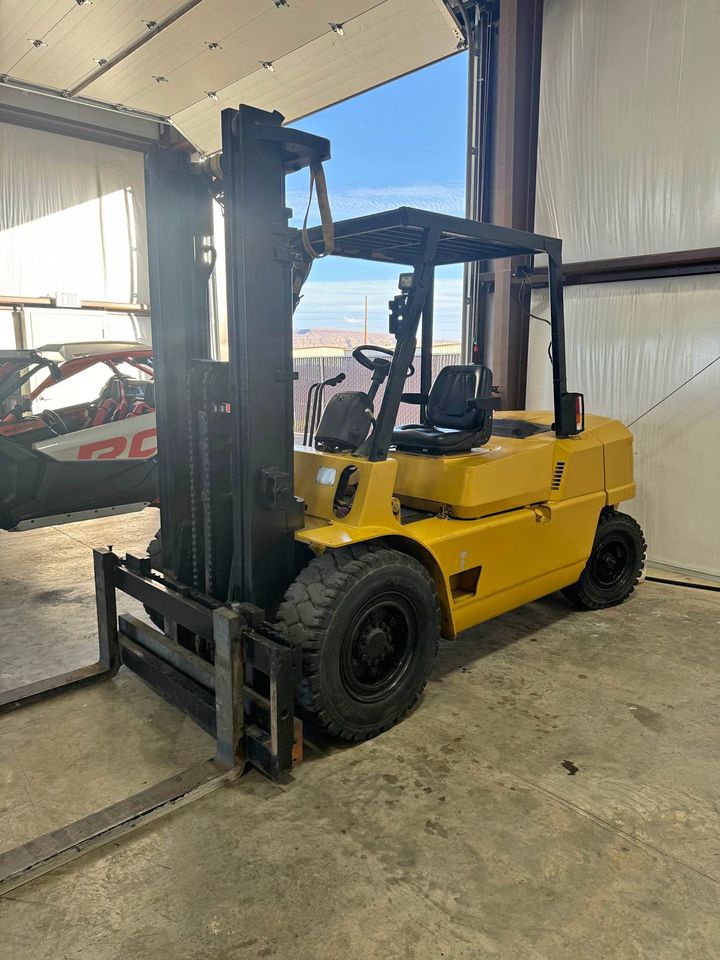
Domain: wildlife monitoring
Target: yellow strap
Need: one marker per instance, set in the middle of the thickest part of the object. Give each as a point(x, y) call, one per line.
point(317, 182)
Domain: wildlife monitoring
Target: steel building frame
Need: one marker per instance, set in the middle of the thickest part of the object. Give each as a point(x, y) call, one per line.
point(653, 266)
point(505, 42)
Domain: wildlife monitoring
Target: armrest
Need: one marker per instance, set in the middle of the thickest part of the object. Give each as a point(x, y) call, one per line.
point(484, 403)
point(414, 398)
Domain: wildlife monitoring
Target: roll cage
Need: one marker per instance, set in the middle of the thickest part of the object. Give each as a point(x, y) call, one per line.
point(425, 240)
point(17, 367)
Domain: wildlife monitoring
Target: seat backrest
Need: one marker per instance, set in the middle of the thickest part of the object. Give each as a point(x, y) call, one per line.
point(122, 410)
point(134, 389)
point(454, 386)
point(114, 389)
point(104, 412)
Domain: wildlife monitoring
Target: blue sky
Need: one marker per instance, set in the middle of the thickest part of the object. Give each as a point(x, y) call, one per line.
point(402, 144)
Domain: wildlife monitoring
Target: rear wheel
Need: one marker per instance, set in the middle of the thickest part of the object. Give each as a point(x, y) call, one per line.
point(614, 565)
point(154, 551)
point(368, 621)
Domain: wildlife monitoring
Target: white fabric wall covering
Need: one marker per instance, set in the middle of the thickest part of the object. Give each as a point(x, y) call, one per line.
point(72, 218)
point(629, 139)
point(629, 164)
point(7, 330)
point(628, 346)
point(42, 326)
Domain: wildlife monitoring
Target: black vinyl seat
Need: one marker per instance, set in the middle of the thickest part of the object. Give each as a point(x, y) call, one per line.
point(459, 413)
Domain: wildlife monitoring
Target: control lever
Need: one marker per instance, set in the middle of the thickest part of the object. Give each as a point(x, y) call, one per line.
point(314, 406)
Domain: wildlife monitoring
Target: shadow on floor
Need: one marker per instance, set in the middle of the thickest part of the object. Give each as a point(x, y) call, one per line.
point(468, 649)
point(491, 636)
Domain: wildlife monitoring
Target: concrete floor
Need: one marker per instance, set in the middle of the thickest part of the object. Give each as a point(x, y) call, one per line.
point(459, 834)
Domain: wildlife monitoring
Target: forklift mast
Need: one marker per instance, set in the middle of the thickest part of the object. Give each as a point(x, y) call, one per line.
point(257, 154)
point(179, 219)
point(228, 511)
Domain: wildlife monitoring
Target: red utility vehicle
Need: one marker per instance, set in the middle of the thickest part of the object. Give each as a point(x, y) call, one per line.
point(87, 459)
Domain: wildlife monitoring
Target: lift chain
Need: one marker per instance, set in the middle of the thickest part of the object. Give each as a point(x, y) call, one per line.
point(190, 393)
point(204, 455)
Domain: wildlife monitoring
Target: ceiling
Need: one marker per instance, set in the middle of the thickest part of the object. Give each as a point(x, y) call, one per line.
point(187, 60)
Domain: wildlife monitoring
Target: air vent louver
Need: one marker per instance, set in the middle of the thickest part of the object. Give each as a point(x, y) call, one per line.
point(557, 475)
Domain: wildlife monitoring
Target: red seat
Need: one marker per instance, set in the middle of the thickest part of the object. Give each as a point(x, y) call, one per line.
point(140, 408)
point(105, 412)
point(122, 410)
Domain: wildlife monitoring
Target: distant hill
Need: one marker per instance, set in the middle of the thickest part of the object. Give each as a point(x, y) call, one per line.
point(317, 338)
point(339, 339)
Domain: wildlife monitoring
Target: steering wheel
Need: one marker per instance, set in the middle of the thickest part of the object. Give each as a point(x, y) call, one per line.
point(376, 363)
point(54, 422)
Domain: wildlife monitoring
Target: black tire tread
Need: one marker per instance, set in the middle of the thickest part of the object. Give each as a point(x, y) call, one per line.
point(309, 605)
point(576, 591)
point(154, 550)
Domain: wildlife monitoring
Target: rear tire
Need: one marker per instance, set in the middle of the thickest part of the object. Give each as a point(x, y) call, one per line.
point(154, 551)
point(367, 619)
point(615, 563)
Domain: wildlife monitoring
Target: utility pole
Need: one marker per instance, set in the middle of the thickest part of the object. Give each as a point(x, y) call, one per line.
point(366, 320)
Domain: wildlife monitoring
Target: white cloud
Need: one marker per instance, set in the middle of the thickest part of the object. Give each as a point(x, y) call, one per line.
point(334, 303)
point(356, 202)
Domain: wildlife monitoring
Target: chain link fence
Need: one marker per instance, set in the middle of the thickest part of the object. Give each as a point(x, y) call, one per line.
point(312, 370)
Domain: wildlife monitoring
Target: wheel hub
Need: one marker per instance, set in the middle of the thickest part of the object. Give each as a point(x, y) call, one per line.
point(612, 562)
point(379, 647)
point(375, 642)
point(608, 564)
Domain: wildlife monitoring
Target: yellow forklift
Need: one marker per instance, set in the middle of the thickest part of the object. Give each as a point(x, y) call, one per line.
point(362, 547)
point(319, 578)
point(419, 531)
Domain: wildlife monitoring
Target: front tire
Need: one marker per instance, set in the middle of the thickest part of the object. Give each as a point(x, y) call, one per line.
point(367, 619)
point(615, 563)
